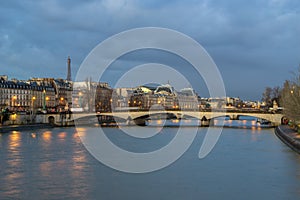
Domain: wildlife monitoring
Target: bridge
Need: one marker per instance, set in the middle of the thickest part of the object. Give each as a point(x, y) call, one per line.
point(274, 118)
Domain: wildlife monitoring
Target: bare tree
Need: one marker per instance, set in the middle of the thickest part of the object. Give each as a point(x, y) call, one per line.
point(89, 94)
point(290, 98)
point(276, 94)
point(266, 97)
point(271, 94)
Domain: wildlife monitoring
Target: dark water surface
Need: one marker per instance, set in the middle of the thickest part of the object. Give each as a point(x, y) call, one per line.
point(54, 164)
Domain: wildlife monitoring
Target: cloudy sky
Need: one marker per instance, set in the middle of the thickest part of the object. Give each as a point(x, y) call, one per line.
point(254, 43)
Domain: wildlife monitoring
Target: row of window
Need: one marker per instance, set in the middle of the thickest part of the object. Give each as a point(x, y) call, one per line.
point(25, 87)
point(16, 91)
point(10, 91)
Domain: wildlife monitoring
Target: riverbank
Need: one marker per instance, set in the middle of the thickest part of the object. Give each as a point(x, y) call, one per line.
point(9, 128)
point(288, 136)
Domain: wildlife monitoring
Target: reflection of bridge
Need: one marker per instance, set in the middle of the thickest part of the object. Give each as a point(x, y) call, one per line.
point(136, 115)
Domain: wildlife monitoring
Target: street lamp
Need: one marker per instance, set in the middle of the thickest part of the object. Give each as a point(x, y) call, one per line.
point(47, 104)
point(47, 99)
point(14, 98)
point(32, 101)
point(13, 118)
point(32, 104)
point(80, 100)
point(61, 103)
point(62, 100)
point(44, 99)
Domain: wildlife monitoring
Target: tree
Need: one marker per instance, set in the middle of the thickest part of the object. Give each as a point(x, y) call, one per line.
point(290, 98)
point(276, 94)
point(271, 94)
point(266, 97)
point(89, 94)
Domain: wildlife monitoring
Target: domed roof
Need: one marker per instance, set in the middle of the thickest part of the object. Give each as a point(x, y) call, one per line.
point(166, 89)
point(151, 86)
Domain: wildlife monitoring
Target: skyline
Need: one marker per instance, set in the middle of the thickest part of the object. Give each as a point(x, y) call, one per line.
point(254, 44)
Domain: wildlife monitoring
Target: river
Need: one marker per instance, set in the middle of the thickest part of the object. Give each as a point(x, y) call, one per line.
point(246, 163)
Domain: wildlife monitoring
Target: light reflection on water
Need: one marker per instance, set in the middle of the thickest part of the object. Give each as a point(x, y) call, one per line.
point(245, 164)
point(47, 135)
point(245, 122)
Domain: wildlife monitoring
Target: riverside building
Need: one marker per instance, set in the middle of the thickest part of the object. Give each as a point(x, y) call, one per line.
point(17, 95)
point(37, 93)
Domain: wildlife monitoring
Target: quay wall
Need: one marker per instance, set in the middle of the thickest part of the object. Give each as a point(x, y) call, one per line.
point(25, 119)
point(288, 136)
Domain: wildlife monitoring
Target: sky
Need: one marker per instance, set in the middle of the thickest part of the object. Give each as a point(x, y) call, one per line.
point(255, 44)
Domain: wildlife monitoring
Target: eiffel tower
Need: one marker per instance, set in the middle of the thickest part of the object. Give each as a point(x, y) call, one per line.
point(69, 69)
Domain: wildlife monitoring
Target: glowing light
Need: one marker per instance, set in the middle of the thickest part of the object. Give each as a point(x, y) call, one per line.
point(159, 122)
point(81, 131)
point(13, 117)
point(62, 135)
point(47, 135)
point(14, 140)
point(175, 121)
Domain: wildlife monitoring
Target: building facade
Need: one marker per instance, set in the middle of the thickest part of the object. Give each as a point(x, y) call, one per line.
point(20, 96)
point(44, 94)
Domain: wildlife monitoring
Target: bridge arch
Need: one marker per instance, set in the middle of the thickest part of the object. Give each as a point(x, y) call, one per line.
point(51, 120)
point(274, 118)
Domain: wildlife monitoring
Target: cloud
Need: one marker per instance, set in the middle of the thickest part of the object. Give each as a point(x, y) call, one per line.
point(242, 36)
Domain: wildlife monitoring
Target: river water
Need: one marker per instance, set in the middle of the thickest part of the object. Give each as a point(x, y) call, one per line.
point(246, 163)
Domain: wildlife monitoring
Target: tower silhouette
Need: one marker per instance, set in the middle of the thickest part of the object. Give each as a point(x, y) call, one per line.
point(69, 69)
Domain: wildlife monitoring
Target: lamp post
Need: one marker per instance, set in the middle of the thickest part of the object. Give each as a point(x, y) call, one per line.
point(32, 107)
point(44, 100)
point(62, 103)
point(14, 98)
point(47, 99)
point(62, 110)
point(80, 99)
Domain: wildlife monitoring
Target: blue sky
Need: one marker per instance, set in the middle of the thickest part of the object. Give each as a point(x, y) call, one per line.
point(254, 43)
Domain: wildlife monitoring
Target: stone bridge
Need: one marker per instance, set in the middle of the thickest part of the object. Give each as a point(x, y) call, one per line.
point(274, 118)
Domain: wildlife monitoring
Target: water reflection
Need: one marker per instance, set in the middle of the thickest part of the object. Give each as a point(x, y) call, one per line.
point(62, 135)
point(14, 140)
point(14, 145)
point(55, 165)
point(245, 123)
point(33, 135)
point(45, 168)
point(13, 164)
point(79, 162)
point(81, 131)
point(47, 135)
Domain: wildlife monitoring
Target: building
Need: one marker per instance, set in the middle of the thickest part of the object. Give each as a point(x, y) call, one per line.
point(91, 96)
point(188, 99)
point(24, 95)
point(103, 99)
point(145, 97)
point(63, 93)
point(121, 97)
point(58, 92)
